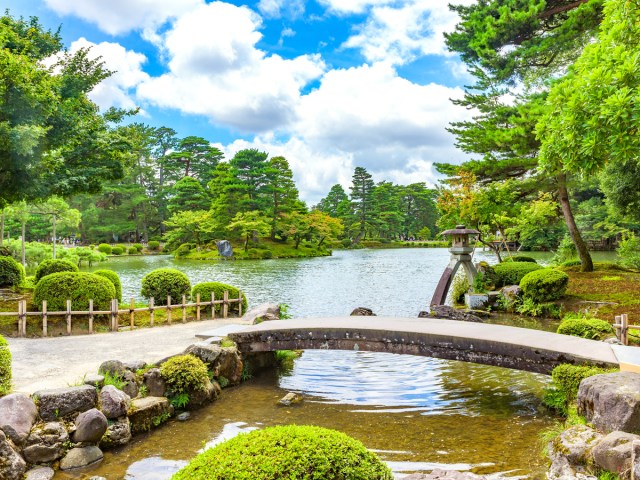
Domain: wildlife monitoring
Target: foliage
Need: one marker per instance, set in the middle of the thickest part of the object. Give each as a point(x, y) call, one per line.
point(164, 282)
point(132, 251)
point(585, 327)
point(544, 285)
point(180, 400)
point(137, 246)
point(113, 278)
point(512, 272)
point(566, 380)
point(217, 288)
point(629, 251)
point(5, 367)
point(520, 258)
point(117, 250)
point(246, 224)
point(184, 374)
point(287, 452)
point(11, 272)
point(79, 287)
point(113, 379)
point(50, 266)
point(459, 287)
point(105, 248)
point(479, 283)
point(153, 245)
point(529, 307)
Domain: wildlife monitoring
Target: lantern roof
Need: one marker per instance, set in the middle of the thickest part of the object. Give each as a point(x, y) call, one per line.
point(461, 230)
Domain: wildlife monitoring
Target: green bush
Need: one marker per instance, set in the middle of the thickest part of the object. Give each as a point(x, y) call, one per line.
point(629, 251)
point(293, 452)
point(117, 250)
point(591, 328)
point(544, 285)
point(79, 287)
point(165, 282)
point(266, 254)
point(47, 267)
point(137, 246)
point(182, 250)
point(511, 273)
point(5, 367)
point(566, 379)
point(105, 248)
point(11, 272)
point(520, 258)
point(132, 251)
point(114, 279)
point(184, 374)
point(205, 289)
point(153, 245)
point(459, 287)
point(572, 263)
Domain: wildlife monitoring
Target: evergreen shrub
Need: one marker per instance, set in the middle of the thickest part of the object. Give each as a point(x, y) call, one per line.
point(205, 289)
point(11, 272)
point(165, 282)
point(132, 251)
point(114, 279)
point(566, 380)
point(520, 258)
point(105, 248)
point(117, 250)
point(183, 250)
point(580, 326)
point(291, 451)
point(138, 246)
point(79, 287)
point(184, 374)
point(5, 367)
point(511, 273)
point(47, 267)
point(153, 245)
point(544, 285)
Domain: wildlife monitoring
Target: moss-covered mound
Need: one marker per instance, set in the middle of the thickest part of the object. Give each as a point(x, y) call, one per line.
point(5, 367)
point(591, 328)
point(79, 287)
point(113, 278)
point(544, 285)
point(47, 267)
point(205, 289)
point(164, 282)
point(287, 452)
point(510, 273)
point(520, 258)
point(11, 272)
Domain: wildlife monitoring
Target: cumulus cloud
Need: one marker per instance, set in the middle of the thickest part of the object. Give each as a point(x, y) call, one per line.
point(121, 16)
point(280, 8)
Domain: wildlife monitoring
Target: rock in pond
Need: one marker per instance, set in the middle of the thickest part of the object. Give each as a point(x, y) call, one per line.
point(149, 412)
point(45, 443)
point(156, 386)
point(262, 313)
point(114, 403)
point(90, 426)
point(12, 465)
point(81, 457)
point(118, 433)
point(290, 399)
point(445, 474)
point(183, 417)
point(40, 473)
point(614, 452)
point(570, 452)
point(362, 312)
point(450, 313)
point(17, 415)
point(60, 402)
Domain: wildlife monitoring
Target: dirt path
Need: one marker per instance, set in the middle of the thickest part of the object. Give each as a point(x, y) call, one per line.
point(62, 361)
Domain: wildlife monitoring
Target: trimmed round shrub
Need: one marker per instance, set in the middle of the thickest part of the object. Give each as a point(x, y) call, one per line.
point(184, 373)
point(105, 248)
point(291, 451)
point(165, 282)
point(5, 367)
point(117, 250)
point(591, 328)
point(137, 246)
point(114, 279)
point(182, 250)
point(153, 245)
point(11, 272)
point(47, 267)
point(79, 287)
point(544, 285)
point(132, 251)
point(205, 289)
point(511, 273)
point(520, 258)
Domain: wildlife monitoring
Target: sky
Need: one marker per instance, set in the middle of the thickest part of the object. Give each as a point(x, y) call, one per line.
point(328, 84)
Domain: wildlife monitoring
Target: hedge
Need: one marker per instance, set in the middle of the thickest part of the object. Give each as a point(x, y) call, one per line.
point(113, 278)
point(117, 250)
point(292, 451)
point(165, 282)
point(105, 248)
point(153, 245)
point(591, 328)
point(47, 267)
point(510, 273)
point(5, 367)
point(205, 289)
point(544, 285)
point(11, 272)
point(79, 287)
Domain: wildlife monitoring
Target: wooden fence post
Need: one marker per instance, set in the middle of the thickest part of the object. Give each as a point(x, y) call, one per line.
point(91, 316)
point(169, 309)
point(225, 304)
point(21, 331)
point(213, 305)
point(184, 309)
point(114, 314)
point(239, 303)
point(198, 306)
point(618, 325)
point(151, 312)
point(44, 319)
point(625, 328)
point(68, 317)
point(132, 312)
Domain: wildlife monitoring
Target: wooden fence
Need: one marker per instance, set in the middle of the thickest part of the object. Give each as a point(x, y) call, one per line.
point(622, 328)
point(115, 311)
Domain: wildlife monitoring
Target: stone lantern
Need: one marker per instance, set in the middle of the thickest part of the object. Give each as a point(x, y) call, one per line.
point(461, 251)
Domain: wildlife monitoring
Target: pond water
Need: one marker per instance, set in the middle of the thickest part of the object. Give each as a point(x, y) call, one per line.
point(417, 413)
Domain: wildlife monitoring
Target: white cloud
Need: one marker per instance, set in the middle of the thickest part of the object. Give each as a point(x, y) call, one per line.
point(279, 8)
point(353, 6)
point(216, 70)
point(121, 16)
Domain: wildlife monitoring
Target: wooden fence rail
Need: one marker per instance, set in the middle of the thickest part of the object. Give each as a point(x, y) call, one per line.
point(115, 311)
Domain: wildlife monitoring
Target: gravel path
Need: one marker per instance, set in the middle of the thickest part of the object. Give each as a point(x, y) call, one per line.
point(40, 363)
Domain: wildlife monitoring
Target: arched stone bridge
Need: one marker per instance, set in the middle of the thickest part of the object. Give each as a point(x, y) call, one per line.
point(497, 345)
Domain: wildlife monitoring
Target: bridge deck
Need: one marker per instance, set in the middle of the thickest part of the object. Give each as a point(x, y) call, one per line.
point(499, 345)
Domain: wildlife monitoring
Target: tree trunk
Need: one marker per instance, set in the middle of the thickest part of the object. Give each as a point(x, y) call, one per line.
point(54, 236)
point(563, 198)
point(2, 229)
point(24, 256)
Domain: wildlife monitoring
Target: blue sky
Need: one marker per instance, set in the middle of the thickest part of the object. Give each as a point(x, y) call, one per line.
point(329, 84)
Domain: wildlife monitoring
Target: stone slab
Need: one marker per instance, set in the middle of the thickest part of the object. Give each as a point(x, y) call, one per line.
point(221, 332)
point(628, 358)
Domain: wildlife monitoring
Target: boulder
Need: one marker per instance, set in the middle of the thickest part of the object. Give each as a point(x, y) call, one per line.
point(290, 398)
point(149, 412)
point(511, 292)
point(611, 401)
point(60, 402)
point(114, 403)
point(224, 248)
point(229, 365)
point(183, 417)
point(446, 474)
point(614, 452)
point(90, 426)
point(81, 457)
point(17, 415)
point(362, 312)
point(574, 444)
point(156, 386)
point(114, 368)
point(207, 352)
point(199, 398)
point(40, 473)
point(450, 313)
point(135, 365)
point(130, 386)
point(95, 380)
point(118, 433)
point(262, 313)
point(45, 443)
point(12, 465)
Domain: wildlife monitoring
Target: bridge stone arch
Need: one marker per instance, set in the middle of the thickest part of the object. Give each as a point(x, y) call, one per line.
point(495, 345)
